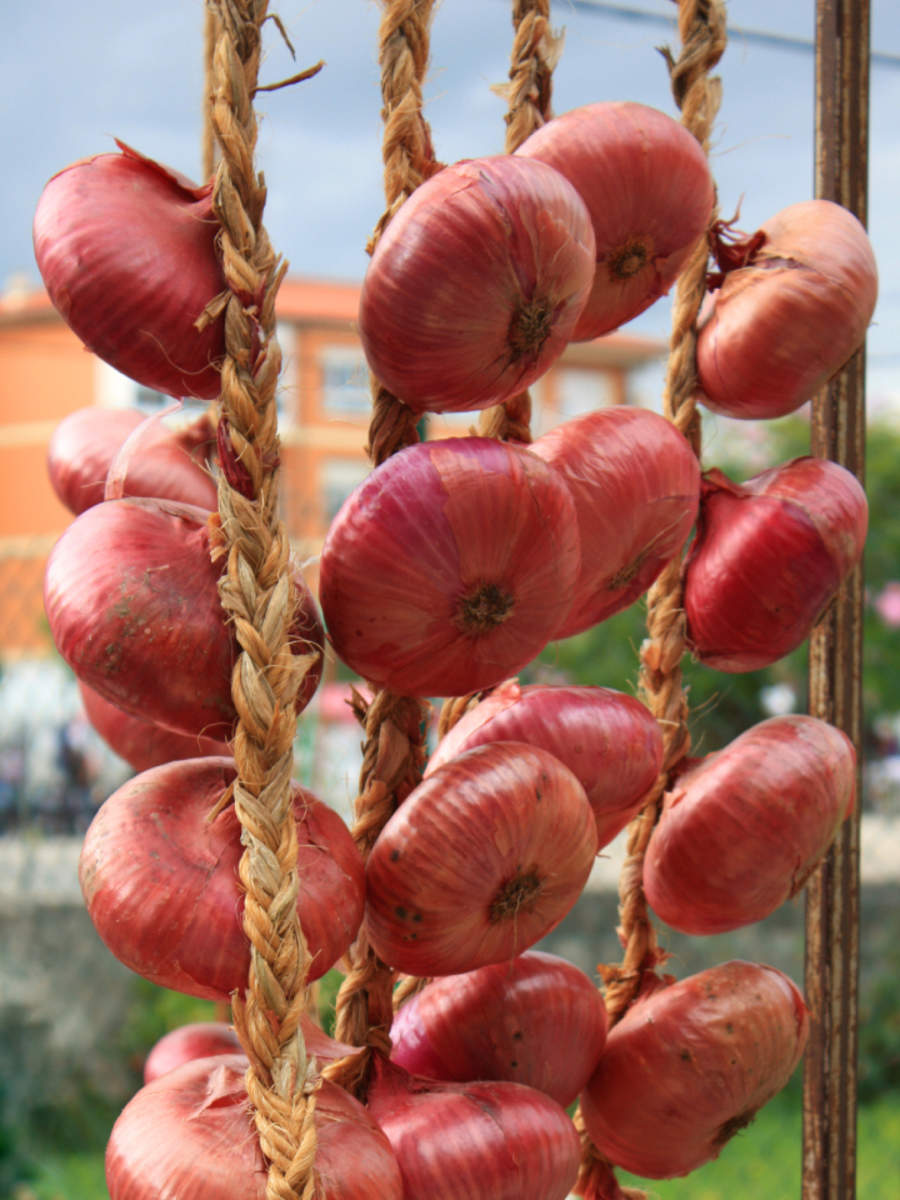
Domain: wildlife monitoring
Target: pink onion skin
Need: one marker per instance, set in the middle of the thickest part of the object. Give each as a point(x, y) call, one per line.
point(610, 741)
point(131, 595)
point(636, 485)
point(536, 1020)
point(650, 195)
point(84, 446)
point(769, 556)
point(189, 1134)
point(204, 1039)
point(161, 884)
point(475, 287)
point(741, 832)
point(479, 862)
point(691, 1064)
point(141, 743)
point(815, 277)
point(422, 593)
point(483, 1141)
point(127, 250)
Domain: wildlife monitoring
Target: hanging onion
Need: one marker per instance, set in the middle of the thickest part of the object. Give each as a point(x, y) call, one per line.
point(131, 595)
point(450, 567)
point(649, 192)
point(475, 286)
point(481, 860)
point(742, 830)
point(127, 249)
point(609, 741)
point(189, 1135)
point(689, 1065)
point(481, 1141)
point(769, 556)
point(536, 1020)
point(790, 314)
point(160, 879)
point(636, 485)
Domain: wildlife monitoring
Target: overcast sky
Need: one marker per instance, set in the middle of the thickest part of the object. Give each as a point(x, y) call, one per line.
point(73, 76)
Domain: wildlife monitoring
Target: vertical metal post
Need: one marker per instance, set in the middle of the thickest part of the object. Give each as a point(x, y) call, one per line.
point(835, 669)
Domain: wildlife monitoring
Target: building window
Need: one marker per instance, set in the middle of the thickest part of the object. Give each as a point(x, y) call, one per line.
point(345, 381)
point(582, 390)
point(339, 477)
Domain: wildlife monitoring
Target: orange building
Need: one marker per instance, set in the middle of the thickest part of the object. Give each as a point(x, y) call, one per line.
point(45, 374)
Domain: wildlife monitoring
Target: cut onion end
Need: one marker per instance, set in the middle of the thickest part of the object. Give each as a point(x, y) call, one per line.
point(519, 892)
point(529, 329)
point(630, 258)
point(484, 608)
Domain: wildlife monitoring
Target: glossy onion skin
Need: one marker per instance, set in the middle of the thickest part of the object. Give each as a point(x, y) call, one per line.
point(768, 559)
point(84, 446)
point(688, 1066)
point(636, 485)
point(610, 741)
point(131, 595)
point(437, 874)
point(481, 1141)
point(190, 1135)
point(436, 523)
point(781, 326)
point(161, 884)
point(741, 832)
point(127, 251)
point(645, 180)
point(142, 744)
point(473, 246)
point(536, 1020)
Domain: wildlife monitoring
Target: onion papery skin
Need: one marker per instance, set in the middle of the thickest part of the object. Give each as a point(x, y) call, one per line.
point(474, 1141)
point(610, 741)
point(768, 558)
point(741, 832)
point(781, 326)
point(160, 880)
point(636, 485)
point(690, 1065)
point(131, 595)
point(481, 860)
point(450, 567)
point(475, 287)
point(190, 1135)
point(84, 447)
point(127, 250)
point(536, 1020)
point(142, 744)
point(650, 195)
point(204, 1039)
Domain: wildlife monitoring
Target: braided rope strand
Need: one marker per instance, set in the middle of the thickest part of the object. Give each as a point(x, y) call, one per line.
point(257, 593)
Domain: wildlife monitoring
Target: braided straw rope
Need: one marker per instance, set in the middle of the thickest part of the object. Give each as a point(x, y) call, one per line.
point(257, 592)
point(701, 26)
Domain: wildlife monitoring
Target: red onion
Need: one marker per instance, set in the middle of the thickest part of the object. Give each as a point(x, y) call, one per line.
point(536, 1020)
point(689, 1066)
point(650, 195)
point(450, 567)
point(203, 1039)
point(475, 286)
point(481, 1141)
point(141, 743)
point(608, 740)
point(636, 485)
point(481, 860)
point(769, 556)
point(127, 249)
point(190, 1135)
point(84, 446)
point(132, 599)
point(741, 831)
point(791, 314)
point(161, 885)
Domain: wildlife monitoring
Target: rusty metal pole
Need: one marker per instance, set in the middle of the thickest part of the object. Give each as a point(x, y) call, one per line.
point(835, 666)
